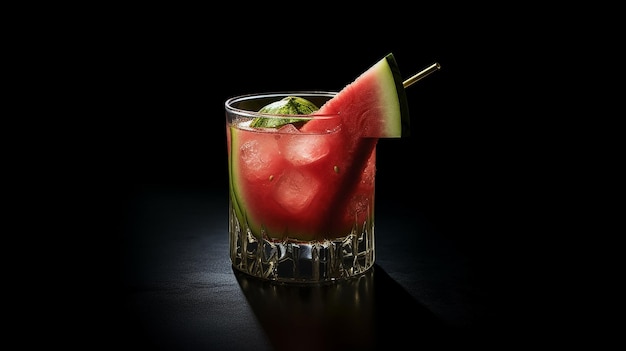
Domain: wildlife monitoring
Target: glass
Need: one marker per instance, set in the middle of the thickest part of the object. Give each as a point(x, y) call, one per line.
point(301, 208)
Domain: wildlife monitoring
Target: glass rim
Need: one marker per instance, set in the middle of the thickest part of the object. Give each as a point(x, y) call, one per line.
point(230, 102)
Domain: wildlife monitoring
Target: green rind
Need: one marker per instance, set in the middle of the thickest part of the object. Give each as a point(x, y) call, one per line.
point(405, 121)
point(233, 169)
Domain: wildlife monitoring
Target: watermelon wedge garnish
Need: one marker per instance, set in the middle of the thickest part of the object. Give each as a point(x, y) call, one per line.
point(325, 189)
point(374, 105)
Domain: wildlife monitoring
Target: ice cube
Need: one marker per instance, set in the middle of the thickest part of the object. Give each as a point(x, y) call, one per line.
point(257, 157)
point(303, 149)
point(295, 190)
point(288, 128)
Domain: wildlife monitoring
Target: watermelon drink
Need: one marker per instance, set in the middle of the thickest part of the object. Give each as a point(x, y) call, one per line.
point(298, 212)
point(302, 167)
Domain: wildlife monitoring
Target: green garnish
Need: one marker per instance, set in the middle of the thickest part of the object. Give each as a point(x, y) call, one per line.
point(290, 105)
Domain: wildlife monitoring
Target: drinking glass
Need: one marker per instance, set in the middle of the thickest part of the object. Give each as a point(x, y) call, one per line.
point(301, 206)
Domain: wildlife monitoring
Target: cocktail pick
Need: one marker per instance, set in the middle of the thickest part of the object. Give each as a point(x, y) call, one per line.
point(421, 74)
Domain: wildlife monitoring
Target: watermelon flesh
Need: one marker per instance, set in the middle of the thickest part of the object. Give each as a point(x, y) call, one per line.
point(317, 182)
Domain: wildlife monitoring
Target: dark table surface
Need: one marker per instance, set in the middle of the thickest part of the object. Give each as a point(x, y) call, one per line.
point(176, 288)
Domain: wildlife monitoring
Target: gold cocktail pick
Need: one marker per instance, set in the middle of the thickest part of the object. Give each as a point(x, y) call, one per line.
point(421, 74)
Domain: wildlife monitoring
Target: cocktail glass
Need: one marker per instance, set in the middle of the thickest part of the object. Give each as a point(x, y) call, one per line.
point(301, 210)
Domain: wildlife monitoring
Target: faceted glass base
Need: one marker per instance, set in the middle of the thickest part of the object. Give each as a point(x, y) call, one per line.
point(291, 261)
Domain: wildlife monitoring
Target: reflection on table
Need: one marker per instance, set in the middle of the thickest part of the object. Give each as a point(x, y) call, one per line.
point(366, 312)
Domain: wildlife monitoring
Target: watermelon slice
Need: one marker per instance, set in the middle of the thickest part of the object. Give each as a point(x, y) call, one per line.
point(325, 188)
point(373, 106)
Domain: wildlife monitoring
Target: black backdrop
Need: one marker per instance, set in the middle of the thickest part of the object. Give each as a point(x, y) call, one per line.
point(158, 82)
point(167, 87)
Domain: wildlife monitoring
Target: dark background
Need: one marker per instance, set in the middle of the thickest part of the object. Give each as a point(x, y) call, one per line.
point(474, 171)
point(465, 166)
point(169, 83)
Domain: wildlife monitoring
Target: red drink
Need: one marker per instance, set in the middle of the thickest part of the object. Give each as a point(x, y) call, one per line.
point(301, 198)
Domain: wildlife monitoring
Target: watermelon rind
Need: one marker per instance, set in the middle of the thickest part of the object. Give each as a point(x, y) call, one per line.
point(403, 105)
